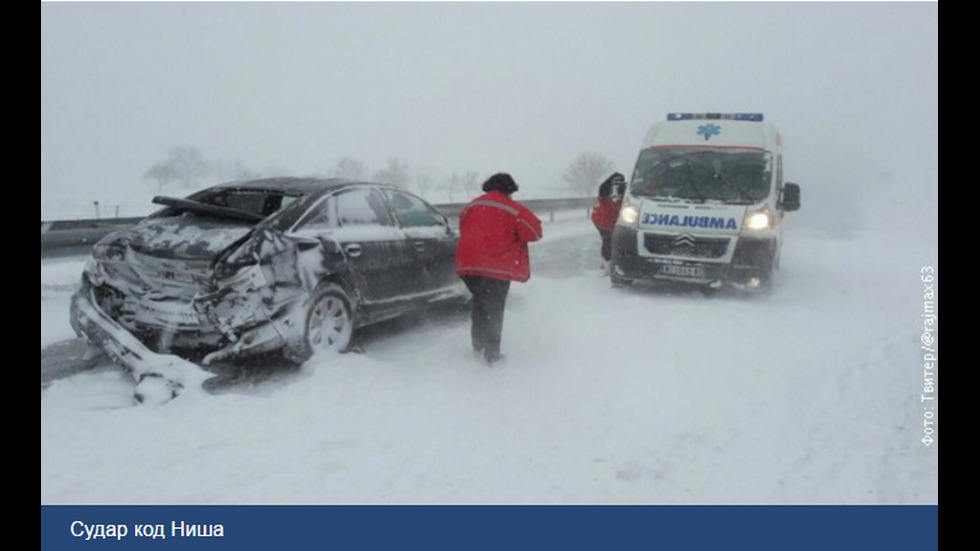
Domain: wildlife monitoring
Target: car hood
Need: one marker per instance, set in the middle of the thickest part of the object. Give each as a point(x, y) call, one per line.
point(185, 237)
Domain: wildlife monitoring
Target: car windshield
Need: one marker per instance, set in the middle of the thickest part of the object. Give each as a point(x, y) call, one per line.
point(702, 175)
point(251, 205)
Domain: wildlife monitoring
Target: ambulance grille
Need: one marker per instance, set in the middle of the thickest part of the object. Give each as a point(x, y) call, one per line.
point(685, 245)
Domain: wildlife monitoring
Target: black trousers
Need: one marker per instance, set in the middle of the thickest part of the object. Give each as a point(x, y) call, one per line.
point(606, 250)
point(489, 298)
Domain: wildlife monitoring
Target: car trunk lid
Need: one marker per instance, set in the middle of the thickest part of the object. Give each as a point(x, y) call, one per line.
point(189, 238)
point(173, 258)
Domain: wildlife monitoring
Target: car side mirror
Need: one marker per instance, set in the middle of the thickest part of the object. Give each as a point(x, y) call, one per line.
point(791, 197)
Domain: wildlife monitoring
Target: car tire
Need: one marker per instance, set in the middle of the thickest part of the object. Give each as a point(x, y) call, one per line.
point(766, 274)
point(328, 324)
point(619, 282)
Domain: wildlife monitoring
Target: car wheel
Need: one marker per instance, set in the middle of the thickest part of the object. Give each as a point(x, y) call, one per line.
point(329, 324)
point(618, 281)
point(766, 283)
point(766, 273)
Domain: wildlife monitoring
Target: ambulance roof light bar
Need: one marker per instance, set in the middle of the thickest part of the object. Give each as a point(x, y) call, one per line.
point(753, 117)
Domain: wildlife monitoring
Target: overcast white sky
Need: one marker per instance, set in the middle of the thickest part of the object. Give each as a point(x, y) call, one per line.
point(462, 86)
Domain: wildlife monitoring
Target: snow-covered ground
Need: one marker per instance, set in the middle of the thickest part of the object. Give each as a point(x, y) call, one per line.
point(607, 396)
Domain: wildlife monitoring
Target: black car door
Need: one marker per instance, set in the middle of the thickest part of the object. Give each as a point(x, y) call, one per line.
point(373, 245)
point(431, 243)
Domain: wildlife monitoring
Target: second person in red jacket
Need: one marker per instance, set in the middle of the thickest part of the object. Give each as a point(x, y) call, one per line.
point(605, 211)
point(494, 231)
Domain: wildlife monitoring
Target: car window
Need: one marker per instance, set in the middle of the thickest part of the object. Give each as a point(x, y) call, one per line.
point(254, 201)
point(413, 212)
point(359, 207)
point(322, 215)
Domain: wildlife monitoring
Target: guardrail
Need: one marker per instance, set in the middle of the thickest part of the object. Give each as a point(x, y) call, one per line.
point(62, 237)
point(74, 233)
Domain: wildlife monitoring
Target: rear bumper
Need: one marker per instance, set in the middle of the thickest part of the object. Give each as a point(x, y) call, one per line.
point(94, 324)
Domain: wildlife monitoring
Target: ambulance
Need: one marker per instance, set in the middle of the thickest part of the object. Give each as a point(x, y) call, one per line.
point(705, 204)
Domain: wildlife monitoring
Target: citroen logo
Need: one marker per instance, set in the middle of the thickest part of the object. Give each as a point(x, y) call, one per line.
point(684, 240)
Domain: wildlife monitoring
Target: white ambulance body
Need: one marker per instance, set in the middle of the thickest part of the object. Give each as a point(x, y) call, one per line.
point(705, 203)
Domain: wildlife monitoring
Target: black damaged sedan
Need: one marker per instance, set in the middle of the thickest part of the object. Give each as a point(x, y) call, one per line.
point(288, 264)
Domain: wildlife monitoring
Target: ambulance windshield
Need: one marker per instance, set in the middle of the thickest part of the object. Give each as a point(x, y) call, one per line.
point(702, 175)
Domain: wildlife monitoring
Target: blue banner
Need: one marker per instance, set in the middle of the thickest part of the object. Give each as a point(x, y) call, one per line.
point(795, 528)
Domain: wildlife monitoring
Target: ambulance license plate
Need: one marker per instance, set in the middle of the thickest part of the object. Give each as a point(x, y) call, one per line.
point(682, 271)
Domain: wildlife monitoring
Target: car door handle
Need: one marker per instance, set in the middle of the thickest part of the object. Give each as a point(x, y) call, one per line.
point(419, 246)
point(354, 249)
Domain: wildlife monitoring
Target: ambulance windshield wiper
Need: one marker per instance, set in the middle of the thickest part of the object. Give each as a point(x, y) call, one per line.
point(691, 181)
point(743, 197)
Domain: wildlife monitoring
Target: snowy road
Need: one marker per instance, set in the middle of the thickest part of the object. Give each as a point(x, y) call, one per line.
point(811, 395)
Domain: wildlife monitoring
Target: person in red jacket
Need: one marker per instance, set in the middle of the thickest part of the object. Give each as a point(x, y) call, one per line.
point(494, 231)
point(605, 211)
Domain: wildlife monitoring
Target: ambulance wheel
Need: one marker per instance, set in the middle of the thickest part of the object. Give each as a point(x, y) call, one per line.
point(617, 281)
point(766, 274)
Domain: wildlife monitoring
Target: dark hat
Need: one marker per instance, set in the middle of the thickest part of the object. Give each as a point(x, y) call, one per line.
point(501, 182)
point(613, 185)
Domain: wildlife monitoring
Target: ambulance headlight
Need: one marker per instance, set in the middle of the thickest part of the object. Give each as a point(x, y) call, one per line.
point(759, 220)
point(628, 214)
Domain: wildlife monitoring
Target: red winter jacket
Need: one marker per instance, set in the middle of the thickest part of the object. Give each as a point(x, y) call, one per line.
point(604, 213)
point(494, 231)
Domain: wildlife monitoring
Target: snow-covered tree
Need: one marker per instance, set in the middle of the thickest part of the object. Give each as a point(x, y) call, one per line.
point(185, 166)
point(586, 172)
point(396, 173)
point(464, 182)
point(349, 167)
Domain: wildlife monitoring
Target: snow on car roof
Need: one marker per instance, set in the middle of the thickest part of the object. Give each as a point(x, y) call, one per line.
point(292, 184)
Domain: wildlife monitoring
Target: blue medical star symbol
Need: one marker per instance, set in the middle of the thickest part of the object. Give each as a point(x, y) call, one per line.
point(708, 130)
